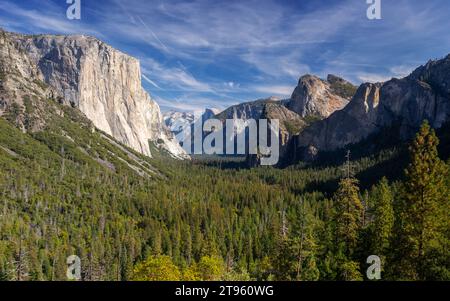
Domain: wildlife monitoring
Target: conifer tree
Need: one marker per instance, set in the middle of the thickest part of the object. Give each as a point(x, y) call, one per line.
point(304, 245)
point(383, 218)
point(423, 210)
point(348, 222)
point(349, 211)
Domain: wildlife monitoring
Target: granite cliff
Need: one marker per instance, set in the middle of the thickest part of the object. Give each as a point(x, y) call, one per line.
point(315, 97)
point(102, 82)
point(404, 103)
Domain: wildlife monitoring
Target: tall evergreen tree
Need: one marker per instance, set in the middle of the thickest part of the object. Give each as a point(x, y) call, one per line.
point(304, 244)
point(349, 212)
point(423, 210)
point(348, 221)
point(383, 218)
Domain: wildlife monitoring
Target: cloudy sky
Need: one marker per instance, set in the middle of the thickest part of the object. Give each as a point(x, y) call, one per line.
point(204, 53)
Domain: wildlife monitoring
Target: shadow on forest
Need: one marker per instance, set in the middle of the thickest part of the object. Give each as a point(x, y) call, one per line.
point(390, 155)
point(221, 162)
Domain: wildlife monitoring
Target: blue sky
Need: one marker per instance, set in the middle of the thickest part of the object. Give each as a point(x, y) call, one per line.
point(204, 53)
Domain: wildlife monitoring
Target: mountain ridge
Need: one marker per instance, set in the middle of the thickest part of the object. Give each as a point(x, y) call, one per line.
point(406, 102)
point(104, 83)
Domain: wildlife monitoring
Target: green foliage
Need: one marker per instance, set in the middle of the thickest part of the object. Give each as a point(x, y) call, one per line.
point(310, 119)
point(343, 89)
point(348, 222)
point(69, 190)
point(422, 228)
point(295, 257)
point(292, 127)
point(383, 218)
point(13, 112)
point(349, 213)
point(156, 268)
point(349, 271)
point(210, 268)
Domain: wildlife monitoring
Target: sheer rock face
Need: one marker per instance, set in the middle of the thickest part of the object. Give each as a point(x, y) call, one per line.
point(343, 127)
point(425, 94)
point(104, 84)
point(314, 97)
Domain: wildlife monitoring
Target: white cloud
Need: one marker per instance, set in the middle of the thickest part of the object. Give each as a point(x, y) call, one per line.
point(231, 85)
point(373, 78)
point(191, 103)
point(175, 77)
point(54, 19)
point(270, 42)
point(399, 71)
point(277, 65)
point(267, 35)
point(274, 90)
point(402, 70)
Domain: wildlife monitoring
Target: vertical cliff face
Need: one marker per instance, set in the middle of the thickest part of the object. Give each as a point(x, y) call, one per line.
point(403, 103)
point(354, 122)
point(105, 84)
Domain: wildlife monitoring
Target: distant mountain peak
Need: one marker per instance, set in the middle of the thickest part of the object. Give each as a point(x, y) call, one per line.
point(315, 97)
point(401, 103)
point(209, 113)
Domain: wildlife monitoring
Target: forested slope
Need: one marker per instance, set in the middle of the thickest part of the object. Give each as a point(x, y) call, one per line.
point(68, 190)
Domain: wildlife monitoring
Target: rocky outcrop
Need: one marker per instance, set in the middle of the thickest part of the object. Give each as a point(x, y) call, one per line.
point(22, 88)
point(405, 103)
point(35, 107)
point(290, 122)
point(104, 84)
point(314, 97)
